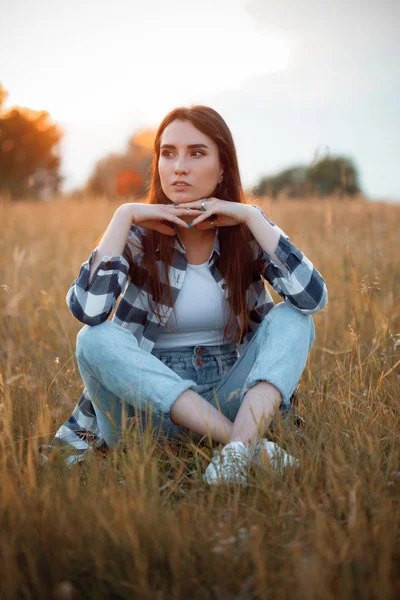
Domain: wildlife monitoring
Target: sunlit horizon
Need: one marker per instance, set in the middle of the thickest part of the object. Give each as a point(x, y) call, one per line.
point(286, 82)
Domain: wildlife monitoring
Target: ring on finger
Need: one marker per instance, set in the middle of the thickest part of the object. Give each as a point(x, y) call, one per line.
point(187, 211)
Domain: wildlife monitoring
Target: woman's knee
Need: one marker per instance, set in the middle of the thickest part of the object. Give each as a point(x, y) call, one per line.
point(288, 318)
point(91, 338)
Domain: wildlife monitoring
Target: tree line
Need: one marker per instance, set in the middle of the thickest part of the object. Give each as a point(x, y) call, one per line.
point(30, 165)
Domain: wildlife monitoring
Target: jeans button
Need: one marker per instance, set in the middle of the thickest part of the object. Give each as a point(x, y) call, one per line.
point(199, 362)
point(199, 351)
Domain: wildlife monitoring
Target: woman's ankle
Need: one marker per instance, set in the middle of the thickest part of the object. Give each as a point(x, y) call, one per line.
point(250, 444)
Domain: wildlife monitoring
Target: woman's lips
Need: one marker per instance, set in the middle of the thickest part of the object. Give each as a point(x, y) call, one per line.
point(180, 187)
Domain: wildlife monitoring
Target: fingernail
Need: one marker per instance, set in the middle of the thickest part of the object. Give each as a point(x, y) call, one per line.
point(175, 204)
point(190, 224)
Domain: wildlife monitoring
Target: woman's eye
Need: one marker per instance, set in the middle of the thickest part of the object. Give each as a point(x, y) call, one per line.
point(195, 152)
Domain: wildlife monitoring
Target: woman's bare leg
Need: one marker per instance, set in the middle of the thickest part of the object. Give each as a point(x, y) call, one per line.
point(255, 413)
point(194, 412)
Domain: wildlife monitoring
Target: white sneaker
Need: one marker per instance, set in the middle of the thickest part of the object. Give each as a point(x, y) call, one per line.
point(276, 456)
point(231, 465)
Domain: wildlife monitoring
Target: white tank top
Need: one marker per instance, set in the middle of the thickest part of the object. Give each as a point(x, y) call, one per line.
point(202, 313)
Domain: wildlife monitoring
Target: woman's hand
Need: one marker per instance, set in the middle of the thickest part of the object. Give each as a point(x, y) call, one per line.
point(221, 212)
point(151, 216)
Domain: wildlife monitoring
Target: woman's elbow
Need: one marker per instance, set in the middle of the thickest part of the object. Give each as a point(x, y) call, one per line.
point(90, 314)
point(321, 304)
point(82, 317)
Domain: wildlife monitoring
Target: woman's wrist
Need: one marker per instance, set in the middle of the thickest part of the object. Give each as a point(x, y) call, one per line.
point(128, 211)
point(251, 213)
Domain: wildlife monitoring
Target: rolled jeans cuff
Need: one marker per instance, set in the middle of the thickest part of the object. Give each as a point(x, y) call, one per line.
point(163, 407)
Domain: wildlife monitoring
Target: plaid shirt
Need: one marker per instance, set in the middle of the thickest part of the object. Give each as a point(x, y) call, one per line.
point(297, 281)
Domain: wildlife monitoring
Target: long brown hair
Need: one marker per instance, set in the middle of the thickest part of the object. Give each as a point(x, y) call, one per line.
point(237, 264)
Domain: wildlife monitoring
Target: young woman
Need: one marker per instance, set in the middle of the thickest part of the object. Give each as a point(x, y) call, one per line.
point(196, 341)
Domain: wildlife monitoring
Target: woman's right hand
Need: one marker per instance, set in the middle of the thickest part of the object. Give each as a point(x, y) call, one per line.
point(151, 216)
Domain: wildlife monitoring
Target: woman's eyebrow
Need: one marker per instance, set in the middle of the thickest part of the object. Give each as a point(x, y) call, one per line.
point(189, 146)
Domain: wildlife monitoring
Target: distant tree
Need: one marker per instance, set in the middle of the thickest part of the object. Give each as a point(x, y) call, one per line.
point(29, 159)
point(104, 178)
point(324, 177)
point(334, 175)
point(292, 180)
point(125, 174)
point(128, 182)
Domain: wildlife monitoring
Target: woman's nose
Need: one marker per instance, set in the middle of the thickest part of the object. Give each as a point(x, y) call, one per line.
point(180, 164)
point(179, 170)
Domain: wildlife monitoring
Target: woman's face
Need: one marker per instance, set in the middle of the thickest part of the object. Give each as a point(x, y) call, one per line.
point(199, 165)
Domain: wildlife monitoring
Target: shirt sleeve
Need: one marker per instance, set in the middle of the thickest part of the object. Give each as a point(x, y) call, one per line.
point(92, 303)
point(297, 281)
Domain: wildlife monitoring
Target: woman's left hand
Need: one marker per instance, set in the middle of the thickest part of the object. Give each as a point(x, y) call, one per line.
point(221, 212)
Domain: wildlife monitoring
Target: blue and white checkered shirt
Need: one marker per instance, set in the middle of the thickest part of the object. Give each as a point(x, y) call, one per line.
point(297, 281)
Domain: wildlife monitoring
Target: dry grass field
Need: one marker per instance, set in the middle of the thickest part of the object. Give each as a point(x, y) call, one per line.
point(141, 524)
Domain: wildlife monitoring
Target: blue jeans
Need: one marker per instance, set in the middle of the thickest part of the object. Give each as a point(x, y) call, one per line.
point(121, 377)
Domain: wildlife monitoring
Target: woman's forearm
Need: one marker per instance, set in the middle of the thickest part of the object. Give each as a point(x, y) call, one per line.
point(114, 239)
point(266, 235)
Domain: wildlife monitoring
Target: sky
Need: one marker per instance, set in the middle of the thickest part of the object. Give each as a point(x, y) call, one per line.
point(293, 81)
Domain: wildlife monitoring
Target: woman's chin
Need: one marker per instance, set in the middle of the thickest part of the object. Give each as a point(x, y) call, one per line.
point(181, 196)
point(185, 195)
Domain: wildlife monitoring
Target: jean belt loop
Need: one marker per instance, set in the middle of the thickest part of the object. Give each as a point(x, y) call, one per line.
point(219, 361)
